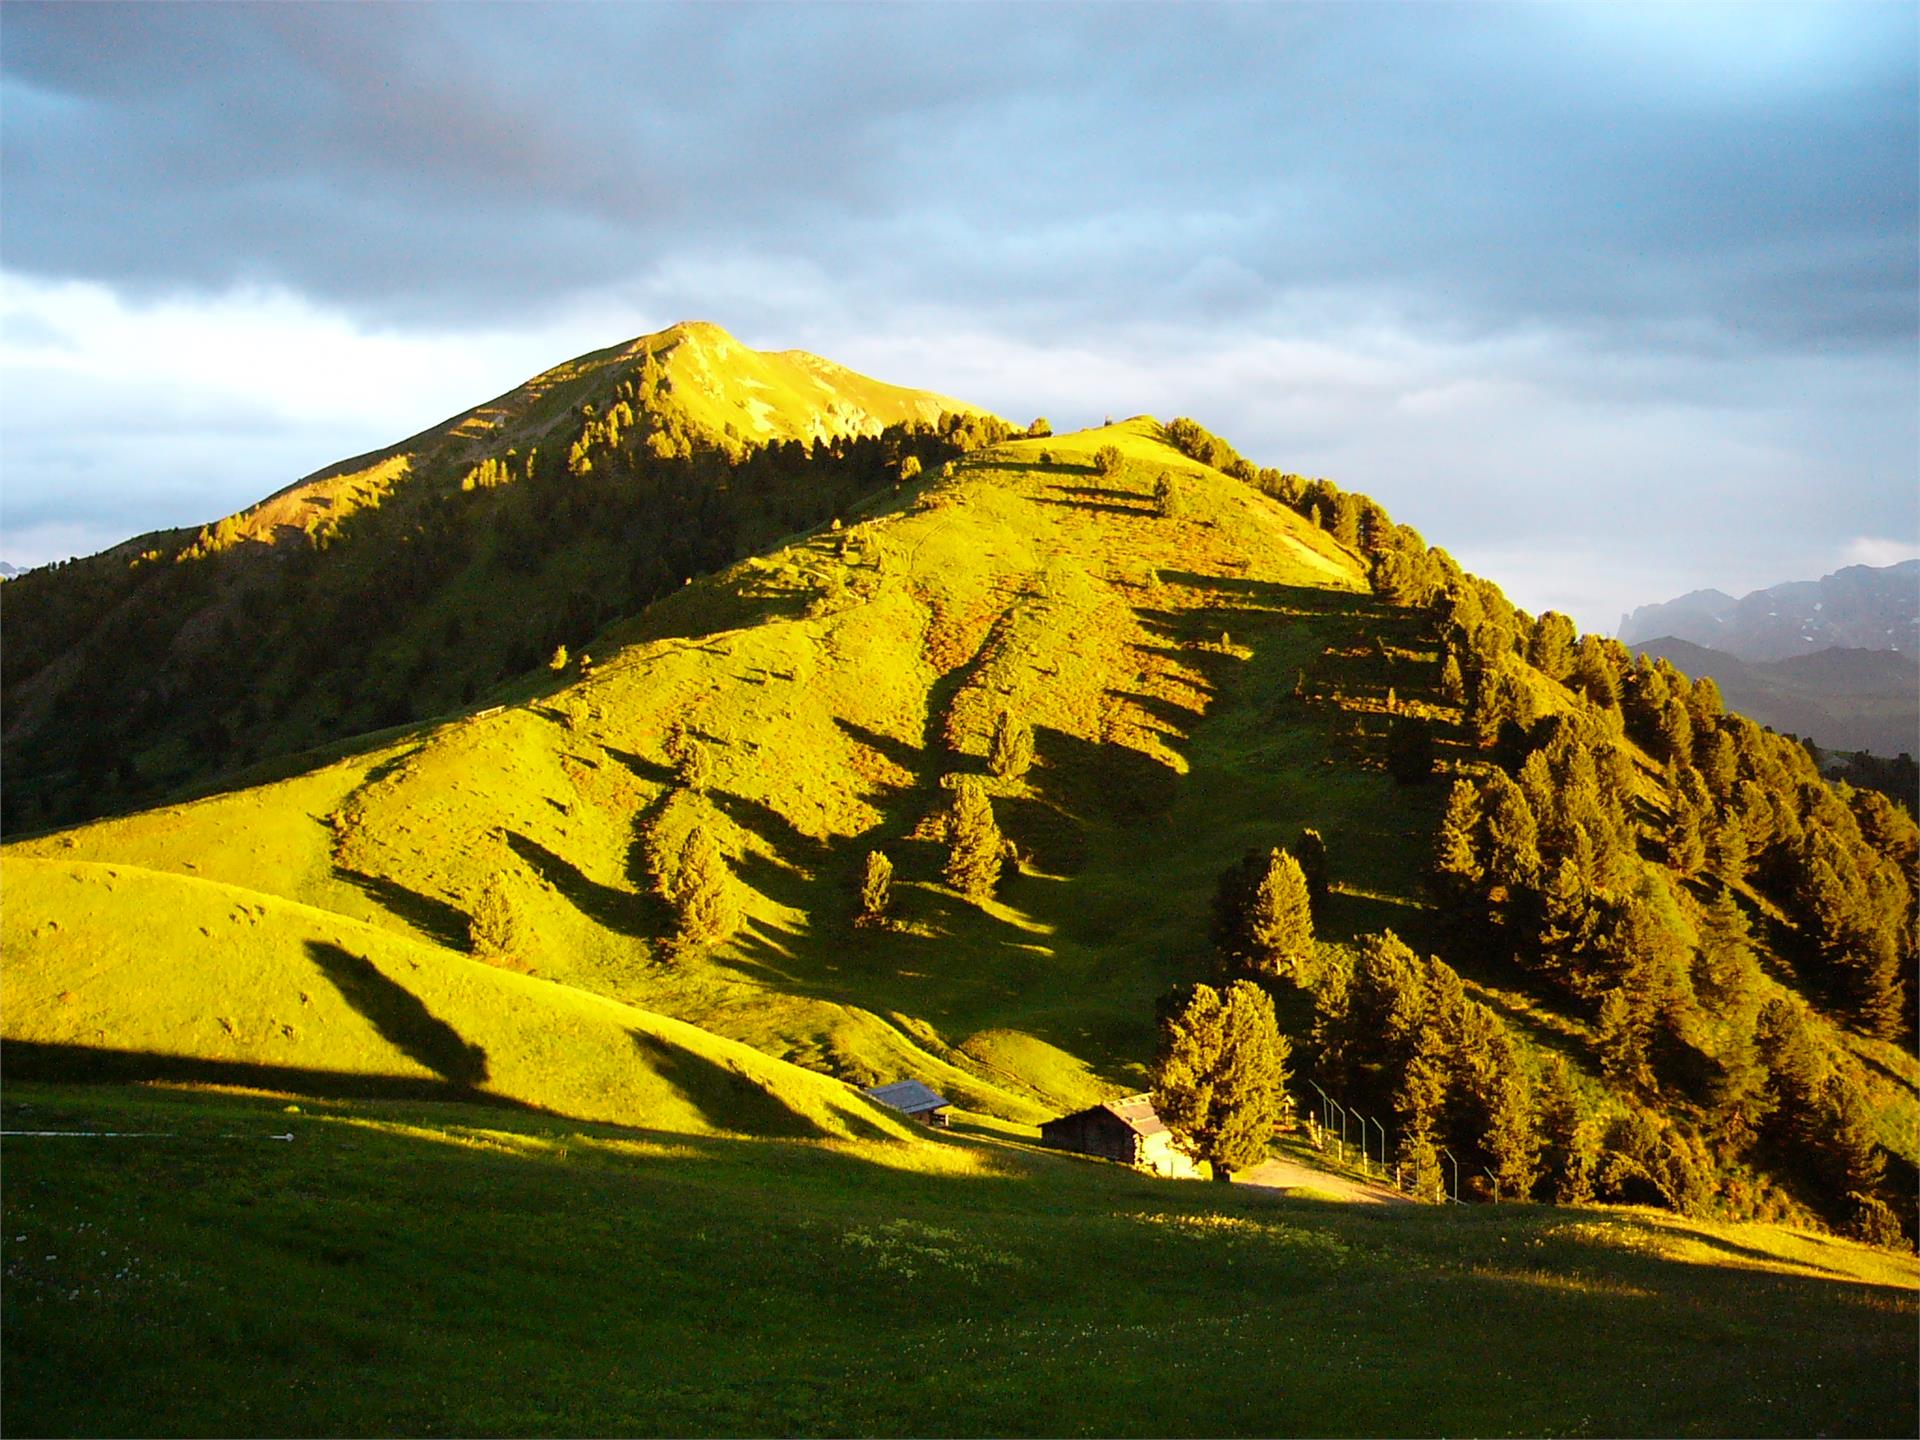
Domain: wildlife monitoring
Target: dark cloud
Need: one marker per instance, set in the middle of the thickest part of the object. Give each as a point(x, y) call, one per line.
point(1491, 167)
point(1638, 280)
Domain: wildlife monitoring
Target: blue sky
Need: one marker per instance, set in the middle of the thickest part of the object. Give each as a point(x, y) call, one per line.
point(1614, 302)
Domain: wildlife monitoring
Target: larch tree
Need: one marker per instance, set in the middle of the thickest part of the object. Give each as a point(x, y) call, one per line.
point(1220, 1075)
point(494, 930)
point(975, 848)
point(1010, 755)
point(1263, 914)
point(876, 889)
point(704, 902)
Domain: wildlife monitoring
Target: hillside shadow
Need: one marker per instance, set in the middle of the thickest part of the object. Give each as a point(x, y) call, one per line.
point(642, 768)
point(84, 1064)
point(440, 922)
point(908, 757)
point(399, 1015)
point(1099, 500)
point(1087, 778)
point(725, 1098)
point(610, 908)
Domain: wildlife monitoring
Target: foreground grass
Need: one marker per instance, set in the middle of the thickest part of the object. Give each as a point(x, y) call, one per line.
point(402, 1267)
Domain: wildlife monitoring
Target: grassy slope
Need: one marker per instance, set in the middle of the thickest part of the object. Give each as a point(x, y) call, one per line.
point(832, 720)
point(717, 383)
point(410, 1269)
point(165, 970)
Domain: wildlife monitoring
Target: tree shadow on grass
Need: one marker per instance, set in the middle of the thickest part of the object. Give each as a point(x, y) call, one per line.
point(612, 909)
point(726, 1098)
point(438, 921)
point(400, 1017)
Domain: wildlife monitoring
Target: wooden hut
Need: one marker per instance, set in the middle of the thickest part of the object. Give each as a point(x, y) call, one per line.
point(1125, 1130)
point(912, 1099)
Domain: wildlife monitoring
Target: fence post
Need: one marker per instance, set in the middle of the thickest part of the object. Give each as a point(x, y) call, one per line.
point(1456, 1173)
point(1326, 1114)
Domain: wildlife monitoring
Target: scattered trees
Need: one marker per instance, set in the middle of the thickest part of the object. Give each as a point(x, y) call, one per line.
point(1108, 461)
point(1220, 1074)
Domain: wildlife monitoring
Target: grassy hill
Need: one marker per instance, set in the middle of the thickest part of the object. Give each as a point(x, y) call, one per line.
point(404, 1268)
point(413, 579)
point(837, 686)
point(146, 975)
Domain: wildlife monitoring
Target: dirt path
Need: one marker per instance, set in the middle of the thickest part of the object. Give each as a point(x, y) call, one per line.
point(1284, 1175)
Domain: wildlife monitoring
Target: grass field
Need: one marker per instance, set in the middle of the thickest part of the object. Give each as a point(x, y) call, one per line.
point(403, 1267)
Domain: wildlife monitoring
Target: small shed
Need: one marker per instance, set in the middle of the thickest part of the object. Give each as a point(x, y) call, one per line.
point(912, 1099)
point(1126, 1130)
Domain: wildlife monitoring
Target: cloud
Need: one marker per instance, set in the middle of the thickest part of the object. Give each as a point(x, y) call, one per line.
point(1631, 287)
point(1869, 550)
point(1054, 167)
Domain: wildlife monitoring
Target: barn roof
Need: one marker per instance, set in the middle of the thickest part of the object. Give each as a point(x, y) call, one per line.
point(1138, 1113)
point(1133, 1111)
point(908, 1096)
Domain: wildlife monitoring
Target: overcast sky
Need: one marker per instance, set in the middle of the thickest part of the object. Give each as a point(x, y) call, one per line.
point(1614, 303)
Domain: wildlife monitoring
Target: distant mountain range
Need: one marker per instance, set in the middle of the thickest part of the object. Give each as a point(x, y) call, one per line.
point(1861, 607)
point(7, 572)
point(1841, 698)
point(1835, 660)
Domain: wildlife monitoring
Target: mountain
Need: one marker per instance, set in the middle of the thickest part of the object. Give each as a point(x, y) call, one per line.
point(1575, 925)
point(411, 580)
point(1840, 698)
point(1861, 607)
point(7, 572)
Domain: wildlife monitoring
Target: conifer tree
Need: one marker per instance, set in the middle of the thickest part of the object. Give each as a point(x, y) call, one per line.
point(1513, 836)
point(1551, 647)
point(704, 902)
point(1220, 1074)
point(1572, 1137)
point(1166, 496)
point(1453, 686)
point(1417, 1105)
point(1728, 974)
point(1263, 915)
point(975, 848)
point(1011, 752)
point(1512, 1136)
point(1458, 869)
point(493, 932)
point(693, 767)
point(876, 889)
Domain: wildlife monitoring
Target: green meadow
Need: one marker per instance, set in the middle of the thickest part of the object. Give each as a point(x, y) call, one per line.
point(402, 1267)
